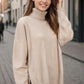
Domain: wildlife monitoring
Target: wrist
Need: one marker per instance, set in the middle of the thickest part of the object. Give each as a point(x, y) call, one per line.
point(59, 6)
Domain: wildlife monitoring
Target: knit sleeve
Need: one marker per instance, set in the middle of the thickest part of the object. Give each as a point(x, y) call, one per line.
point(65, 33)
point(20, 67)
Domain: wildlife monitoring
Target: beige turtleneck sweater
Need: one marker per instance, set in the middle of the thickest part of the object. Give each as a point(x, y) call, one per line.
point(36, 54)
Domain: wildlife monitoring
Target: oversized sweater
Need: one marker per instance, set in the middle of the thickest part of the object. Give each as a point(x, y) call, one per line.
point(37, 54)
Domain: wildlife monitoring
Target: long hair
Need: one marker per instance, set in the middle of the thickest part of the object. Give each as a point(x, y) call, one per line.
point(51, 16)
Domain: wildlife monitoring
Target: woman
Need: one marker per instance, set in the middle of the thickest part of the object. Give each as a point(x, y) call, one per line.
point(39, 36)
point(1, 30)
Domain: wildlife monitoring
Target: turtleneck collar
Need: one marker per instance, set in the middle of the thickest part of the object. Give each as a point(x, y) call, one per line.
point(36, 13)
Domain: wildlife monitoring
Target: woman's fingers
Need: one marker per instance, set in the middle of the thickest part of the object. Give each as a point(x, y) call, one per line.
point(60, 1)
point(59, 5)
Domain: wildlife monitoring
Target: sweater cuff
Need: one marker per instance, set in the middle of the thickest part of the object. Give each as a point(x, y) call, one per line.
point(60, 9)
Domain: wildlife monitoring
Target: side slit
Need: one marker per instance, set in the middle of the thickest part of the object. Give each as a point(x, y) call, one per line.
point(30, 82)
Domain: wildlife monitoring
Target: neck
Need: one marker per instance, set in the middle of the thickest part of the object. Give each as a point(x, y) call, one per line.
point(38, 14)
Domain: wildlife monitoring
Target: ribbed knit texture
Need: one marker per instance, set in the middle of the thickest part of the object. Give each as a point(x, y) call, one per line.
point(35, 49)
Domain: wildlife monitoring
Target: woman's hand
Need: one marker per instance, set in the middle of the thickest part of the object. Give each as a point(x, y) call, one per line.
point(59, 5)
